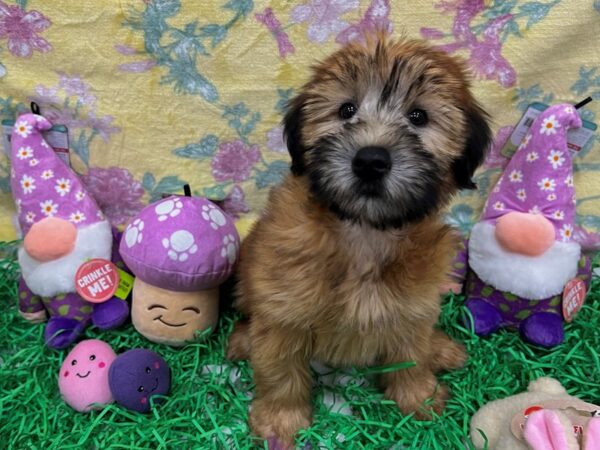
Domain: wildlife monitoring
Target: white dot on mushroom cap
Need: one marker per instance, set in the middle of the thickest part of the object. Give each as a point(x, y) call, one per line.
point(194, 249)
point(218, 217)
point(141, 226)
point(183, 257)
point(181, 240)
point(164, 208)
point(172, 255)
point(231, 253)
point(131, 236)
point(165, 243)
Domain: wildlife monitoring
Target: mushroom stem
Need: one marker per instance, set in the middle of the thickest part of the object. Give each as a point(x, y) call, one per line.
point(172, 317)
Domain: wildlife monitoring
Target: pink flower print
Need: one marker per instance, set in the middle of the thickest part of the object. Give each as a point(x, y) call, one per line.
point(235, 202)
point(46, 95)
point(137, 66)
point(234, 161)
point(324, 17)
point(268, 19)
point(21, 29)
point(275, 140)
point(376, 18)
point(115, 190)
point(74, 85)
point(486, 51)
point(589, 241)
point(102, 125)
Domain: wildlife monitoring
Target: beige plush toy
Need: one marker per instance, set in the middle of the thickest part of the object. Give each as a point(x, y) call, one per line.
point(545, 417)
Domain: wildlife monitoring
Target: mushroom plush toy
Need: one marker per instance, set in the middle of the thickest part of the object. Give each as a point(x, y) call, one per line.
point(180, 249)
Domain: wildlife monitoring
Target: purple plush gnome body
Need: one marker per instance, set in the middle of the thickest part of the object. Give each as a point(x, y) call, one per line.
point(62, 227)
point(521, 254)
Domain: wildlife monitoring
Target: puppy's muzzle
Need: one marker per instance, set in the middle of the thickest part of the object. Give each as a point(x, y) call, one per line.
point(371, 163)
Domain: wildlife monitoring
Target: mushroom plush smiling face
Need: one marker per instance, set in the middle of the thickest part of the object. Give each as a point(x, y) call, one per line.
point(83, 377)
point(180, 250)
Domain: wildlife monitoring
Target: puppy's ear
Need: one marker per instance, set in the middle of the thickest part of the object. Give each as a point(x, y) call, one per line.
point(292, 132)
point(478, 141)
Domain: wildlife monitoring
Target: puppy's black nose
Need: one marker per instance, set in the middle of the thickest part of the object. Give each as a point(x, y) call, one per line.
point(371, 163)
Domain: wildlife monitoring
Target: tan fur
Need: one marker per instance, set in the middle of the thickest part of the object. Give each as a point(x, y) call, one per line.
point(313, 286)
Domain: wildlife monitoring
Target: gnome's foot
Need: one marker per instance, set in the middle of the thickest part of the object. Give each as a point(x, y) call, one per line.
point(61, 332)
point(110, 314)
point(486, 318)
point(543, 329)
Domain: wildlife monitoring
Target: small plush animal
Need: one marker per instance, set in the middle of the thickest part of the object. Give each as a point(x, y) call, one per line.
point(545, 417)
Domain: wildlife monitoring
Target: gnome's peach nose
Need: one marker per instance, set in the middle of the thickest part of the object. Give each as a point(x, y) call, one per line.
point(50, 238)
point(527, 234)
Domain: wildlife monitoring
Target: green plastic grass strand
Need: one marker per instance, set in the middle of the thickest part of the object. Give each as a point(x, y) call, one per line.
point(208, 405)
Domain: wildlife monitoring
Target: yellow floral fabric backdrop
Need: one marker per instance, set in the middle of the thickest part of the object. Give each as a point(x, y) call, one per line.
point(159, 93)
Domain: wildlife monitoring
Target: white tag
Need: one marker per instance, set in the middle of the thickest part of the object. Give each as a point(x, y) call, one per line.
point(58, 139)
point(576, 137)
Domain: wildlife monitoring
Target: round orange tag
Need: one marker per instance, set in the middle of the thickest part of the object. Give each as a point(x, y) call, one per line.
point(573, 298)
point(97, 280)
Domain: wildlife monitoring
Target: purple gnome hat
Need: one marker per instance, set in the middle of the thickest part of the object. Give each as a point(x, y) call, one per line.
point(539, 177)
point(42, 184)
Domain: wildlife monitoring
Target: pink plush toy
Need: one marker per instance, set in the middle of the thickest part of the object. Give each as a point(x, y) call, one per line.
point(552, 430)
point(83, 376)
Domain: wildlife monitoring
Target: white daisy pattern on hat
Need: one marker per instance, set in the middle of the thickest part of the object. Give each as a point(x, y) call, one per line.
point(77, 217)
point(27, 184)
point(79, 196)
point(569, 181)
point(516, 176)
point(566, 232)
point(22, 128)
point(47, 174)
point(558, 215)
point(49, 208)
point(535, 210)
point(34, 162)
point(549, 125)
point(569, 110)
point(551, 197)
point(499, 206)
point(522, 195)
point(525, 142)
point(532, 156)
point(547, 184)
point(30, 217)
point(63, 186)
point(556, 158)
point(44, 144)
point(18, 203)
point(25, 152)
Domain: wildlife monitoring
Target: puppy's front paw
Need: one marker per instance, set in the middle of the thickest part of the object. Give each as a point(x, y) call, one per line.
point(447, 354)
point(277, 424)
point(422, 399)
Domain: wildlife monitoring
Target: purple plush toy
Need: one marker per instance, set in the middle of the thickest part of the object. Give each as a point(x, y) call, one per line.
point(137, 375)
point(521, 255)
point(62, 228)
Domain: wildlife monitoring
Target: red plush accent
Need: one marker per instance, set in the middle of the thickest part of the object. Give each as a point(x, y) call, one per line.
point(527, 234)
point(50, 238)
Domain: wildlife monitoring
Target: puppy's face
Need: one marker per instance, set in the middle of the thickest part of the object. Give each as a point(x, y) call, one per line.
point(386, 132)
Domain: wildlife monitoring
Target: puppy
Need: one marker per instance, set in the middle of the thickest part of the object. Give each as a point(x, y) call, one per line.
point(345, 264)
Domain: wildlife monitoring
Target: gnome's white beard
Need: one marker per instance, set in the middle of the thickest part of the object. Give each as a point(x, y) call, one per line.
point(58, 276)
point(529, 277)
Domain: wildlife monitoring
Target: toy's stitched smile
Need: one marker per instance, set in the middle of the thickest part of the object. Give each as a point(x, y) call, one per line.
point(174, 325)
point(155, 385)
point(88, 372)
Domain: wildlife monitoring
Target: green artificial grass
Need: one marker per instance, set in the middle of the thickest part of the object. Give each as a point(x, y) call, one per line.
point(207, 407)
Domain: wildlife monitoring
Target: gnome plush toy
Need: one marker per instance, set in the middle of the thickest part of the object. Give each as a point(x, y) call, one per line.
point(522, 254)
point(62, 227)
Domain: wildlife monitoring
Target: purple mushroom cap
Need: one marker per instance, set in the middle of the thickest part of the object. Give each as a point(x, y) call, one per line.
point(137, 375)
point(181, 244)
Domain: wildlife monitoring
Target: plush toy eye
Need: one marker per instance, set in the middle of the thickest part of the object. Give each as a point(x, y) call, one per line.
point(92, 357)
point(148, 370)
point(74, 362)
point(141, 389)
point(418, 117)
point(347, 110)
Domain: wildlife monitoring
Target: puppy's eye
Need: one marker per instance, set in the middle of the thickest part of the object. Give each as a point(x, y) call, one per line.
point(347, 110)
point(418, 117)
